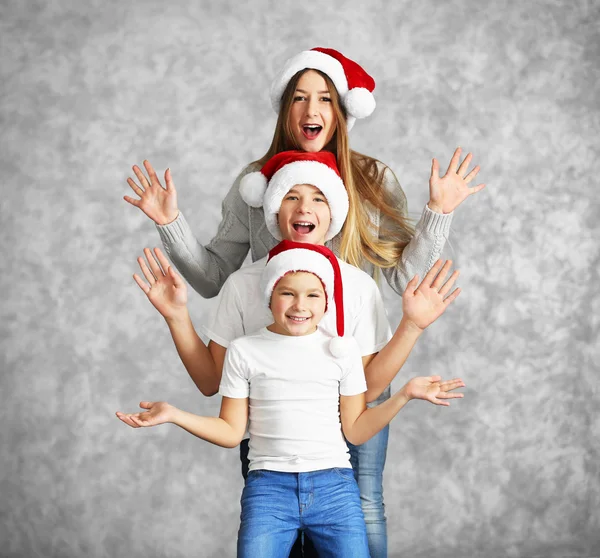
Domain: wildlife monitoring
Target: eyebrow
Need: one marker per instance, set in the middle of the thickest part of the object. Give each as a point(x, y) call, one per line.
point(319, 92)
point(293, 189)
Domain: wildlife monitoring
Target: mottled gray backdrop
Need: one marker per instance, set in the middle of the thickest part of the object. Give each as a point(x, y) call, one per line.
point(90, 88)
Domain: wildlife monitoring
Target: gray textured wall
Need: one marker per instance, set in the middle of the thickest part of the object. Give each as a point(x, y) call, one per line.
point(89, 88)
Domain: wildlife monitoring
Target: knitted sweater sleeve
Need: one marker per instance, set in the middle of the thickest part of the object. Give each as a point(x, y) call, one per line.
point(207, 267)
point(431, 233)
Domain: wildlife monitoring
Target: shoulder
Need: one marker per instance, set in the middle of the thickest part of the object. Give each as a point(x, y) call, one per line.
point(248, 274)
point(354, 277)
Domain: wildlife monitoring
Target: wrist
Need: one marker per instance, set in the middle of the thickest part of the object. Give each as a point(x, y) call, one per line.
point(409, 326)
point(177, 317)
point(167, 218)
point(436, 208)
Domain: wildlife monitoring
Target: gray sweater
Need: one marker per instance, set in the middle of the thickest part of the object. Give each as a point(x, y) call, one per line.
point(243, 228)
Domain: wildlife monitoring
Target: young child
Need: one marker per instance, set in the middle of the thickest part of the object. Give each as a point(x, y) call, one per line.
point(304, 200)
point(302, 391)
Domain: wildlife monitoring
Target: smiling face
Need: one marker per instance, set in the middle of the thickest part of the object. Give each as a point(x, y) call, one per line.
point(311, 117)
point(304, 215)
point(297, 304)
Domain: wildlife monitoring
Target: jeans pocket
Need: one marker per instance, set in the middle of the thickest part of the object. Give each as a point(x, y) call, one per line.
point(345, 474)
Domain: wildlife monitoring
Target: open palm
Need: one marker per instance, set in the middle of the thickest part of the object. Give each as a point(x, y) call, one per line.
point(433, 389)
point(158, 412)
point(165, 289)
point(446, 193)
point(158, 203)
point(424, 304)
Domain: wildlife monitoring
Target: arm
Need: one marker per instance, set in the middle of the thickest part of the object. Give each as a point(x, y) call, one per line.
point(432, 230)
point(359, 424)
point(226, 431)
point(421, 306)
point(168, 294)
point(204, 267)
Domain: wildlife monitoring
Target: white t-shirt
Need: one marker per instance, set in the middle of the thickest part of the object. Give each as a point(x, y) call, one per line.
point(242, 310)
point(293, 384)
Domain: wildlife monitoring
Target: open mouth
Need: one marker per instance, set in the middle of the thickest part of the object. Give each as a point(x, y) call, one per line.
point(311, 131)
point(304, 227)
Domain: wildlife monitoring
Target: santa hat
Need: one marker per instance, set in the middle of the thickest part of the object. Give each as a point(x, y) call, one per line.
point(282, 172)
point(353, 84)
point(291, 257)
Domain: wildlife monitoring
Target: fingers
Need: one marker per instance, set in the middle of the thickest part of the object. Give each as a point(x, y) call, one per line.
point(177, 280)
point(126, 419)
point(169, 180)
point(152, 174)
point(462, 170)
point(162, 259)
point(132, 201)
point(428, 280)
point(141, 177)
point(453, 166)
point(146, 271)
point(448, 284)
point(476, 189)
point(449, 299)
point(146, 404)
point(434, 379)
point(135, 187)
point(141, 284)
point(438, 283)
point(156, 269)
point(411, 286)
point(472, 174)
point(435, 170)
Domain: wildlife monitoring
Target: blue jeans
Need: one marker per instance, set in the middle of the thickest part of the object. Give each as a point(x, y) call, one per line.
point(325, 504)
point(368, 461)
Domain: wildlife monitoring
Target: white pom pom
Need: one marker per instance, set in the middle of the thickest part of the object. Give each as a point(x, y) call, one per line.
point(252, 188)
point(359, 102)
point(339, 347)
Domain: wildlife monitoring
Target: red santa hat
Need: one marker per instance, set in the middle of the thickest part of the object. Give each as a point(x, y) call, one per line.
point(292, 257)
point(282, 172)
point(353, 84)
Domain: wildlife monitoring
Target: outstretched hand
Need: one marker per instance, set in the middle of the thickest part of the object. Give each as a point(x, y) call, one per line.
point(159, 412)
point(449, 191)
point(165, 289)
point(433, 389)
point(158, 203)
point(425, 303)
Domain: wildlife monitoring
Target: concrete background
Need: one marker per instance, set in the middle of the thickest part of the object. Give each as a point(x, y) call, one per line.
point(90, 88)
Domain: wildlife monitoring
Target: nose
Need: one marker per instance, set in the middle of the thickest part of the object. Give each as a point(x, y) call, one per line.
point(304, 206)
point(311, 106)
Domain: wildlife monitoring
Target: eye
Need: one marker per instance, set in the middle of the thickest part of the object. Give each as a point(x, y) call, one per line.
point(291, 197)
point(314, 295)
point(326, 99)
point(299, 98)
point(320, 199)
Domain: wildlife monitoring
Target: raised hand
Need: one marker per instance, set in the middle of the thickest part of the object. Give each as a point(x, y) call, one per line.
point(449, 191)
point(433, 389)
point(424, 304)
point(160, 204)
point(165, 289)
point(158, 412)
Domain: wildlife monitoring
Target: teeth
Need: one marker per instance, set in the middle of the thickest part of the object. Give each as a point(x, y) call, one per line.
point(297, 319)
point(303, 223)
point(312, 126)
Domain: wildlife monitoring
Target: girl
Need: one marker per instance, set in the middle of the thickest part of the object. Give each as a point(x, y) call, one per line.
point(289, 380)
point(315, 96)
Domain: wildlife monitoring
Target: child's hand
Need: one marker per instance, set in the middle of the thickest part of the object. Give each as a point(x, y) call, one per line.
point(424, 304)
point(166, 290)
point(432, 389)
point(449, 191)
point(158, 203)
point(158, 412)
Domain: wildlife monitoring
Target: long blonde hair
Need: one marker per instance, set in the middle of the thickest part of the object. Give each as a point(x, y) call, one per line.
point(361, 240)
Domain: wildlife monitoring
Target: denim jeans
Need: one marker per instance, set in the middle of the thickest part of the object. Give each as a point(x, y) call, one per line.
point(368, 461)
point(325, 504)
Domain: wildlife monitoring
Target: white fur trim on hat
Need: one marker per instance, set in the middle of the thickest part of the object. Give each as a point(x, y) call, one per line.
point(252, 188)
point(306, 172)
point(360, 102)
point(296, 260)
point(312, 59)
